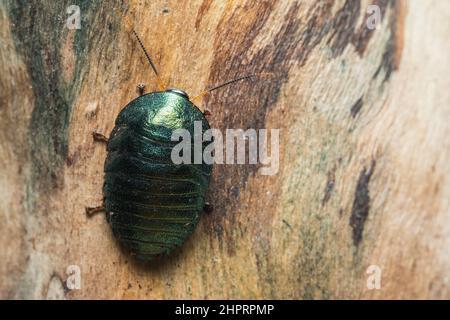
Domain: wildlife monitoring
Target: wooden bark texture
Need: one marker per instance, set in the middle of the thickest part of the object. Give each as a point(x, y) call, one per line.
point(364, 146)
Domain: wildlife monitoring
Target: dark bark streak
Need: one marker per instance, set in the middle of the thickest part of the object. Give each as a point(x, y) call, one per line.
point(37, 39)
point(354, 110)
point(343, 26)
point(246, 105)
point(331, 179)
point(387, 64)
point(39, 31)
point(394, 46)
point(361, 204)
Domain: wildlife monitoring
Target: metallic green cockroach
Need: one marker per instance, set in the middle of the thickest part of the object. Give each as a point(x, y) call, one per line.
point(151, 203)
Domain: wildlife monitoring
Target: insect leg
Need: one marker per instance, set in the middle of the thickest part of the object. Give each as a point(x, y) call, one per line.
point(141, 89)
point(90, 211)
point(99, 137)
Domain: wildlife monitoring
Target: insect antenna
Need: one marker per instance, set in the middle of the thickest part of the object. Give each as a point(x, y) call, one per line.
point(208, 91)
point(230, 82)
point(161, 84)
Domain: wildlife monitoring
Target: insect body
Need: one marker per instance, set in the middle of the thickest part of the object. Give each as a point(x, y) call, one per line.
point(153, 204)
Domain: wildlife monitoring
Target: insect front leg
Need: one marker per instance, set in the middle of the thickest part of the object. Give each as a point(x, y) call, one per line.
point(99, 137)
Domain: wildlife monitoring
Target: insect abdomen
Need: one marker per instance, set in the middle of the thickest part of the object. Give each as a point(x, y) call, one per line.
point(153, 204)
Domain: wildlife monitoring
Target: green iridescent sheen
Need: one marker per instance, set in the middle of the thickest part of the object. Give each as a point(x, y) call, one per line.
point(153, 205)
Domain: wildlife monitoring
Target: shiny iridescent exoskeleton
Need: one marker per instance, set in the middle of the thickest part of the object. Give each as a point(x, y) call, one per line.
point(152, 204)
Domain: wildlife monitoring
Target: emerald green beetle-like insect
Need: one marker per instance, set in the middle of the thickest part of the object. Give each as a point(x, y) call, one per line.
point(152, 204)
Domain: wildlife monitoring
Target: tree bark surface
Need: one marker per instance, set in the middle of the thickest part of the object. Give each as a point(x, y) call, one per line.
point(363, 182)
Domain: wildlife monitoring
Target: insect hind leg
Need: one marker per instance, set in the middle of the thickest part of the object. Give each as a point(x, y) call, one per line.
point(99, 137)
